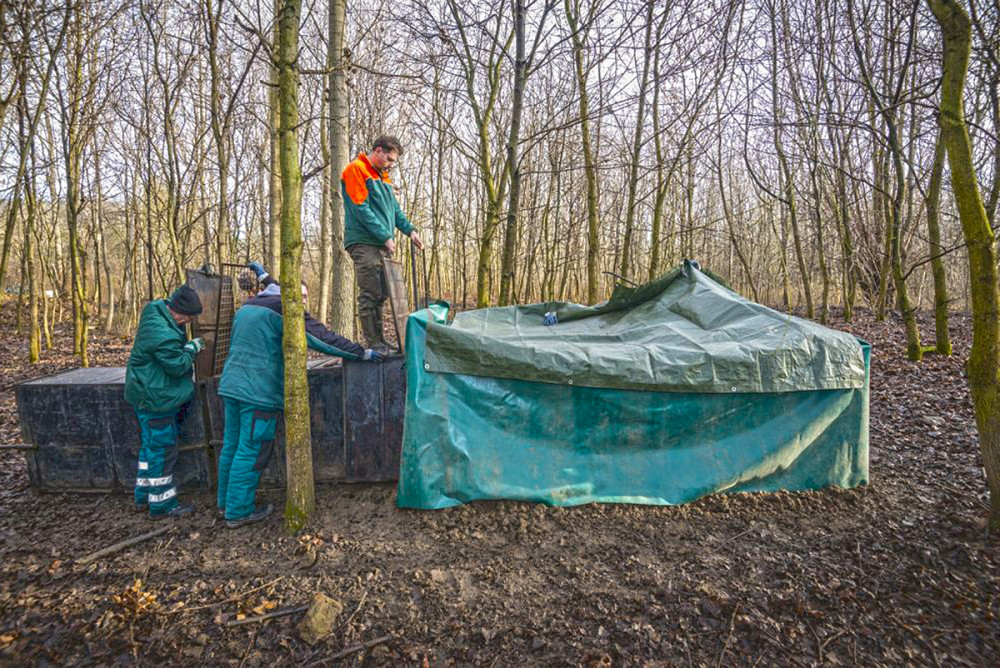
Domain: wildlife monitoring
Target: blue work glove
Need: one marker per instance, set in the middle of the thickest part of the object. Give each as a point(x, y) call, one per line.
point(550, 319)
point(195, 345)
point(258, 269)
point(373, 356)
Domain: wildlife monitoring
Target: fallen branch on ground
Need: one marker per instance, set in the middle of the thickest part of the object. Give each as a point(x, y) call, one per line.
point(270, 615)
point(117, 547)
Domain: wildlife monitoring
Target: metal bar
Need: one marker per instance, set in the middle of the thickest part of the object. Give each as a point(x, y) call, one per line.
point(413, 270)
point(427, 280)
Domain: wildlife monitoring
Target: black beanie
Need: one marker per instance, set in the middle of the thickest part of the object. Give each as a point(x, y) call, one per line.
point(185, 301)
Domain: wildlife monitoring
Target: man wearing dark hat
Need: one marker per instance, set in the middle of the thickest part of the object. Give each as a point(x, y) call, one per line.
point(159, 385)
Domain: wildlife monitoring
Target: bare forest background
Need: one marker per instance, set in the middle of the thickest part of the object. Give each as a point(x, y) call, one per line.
point(553, 148)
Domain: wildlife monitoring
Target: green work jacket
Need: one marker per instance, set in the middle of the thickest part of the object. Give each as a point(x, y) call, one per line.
point(370, 209)
point(158, 377)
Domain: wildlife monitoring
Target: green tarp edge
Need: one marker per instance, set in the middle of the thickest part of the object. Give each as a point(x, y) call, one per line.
point(683, 332)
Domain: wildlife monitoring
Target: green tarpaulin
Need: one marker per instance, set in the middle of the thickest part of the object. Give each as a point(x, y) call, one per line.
point(667, 392)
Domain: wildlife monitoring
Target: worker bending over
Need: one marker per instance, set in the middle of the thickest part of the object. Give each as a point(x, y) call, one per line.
point(253, 390)
point(159, 385)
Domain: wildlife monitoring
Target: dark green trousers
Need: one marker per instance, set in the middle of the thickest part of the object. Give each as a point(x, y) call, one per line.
point(372, 291)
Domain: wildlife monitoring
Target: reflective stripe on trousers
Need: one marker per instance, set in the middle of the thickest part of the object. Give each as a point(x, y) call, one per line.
point(155, 474)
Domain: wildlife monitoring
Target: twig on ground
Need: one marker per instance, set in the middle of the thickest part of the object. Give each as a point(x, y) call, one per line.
point(253, 641)
point(356, 610)
point(228, 600)
point(357, 648)
point(117, 547)
point(732, 624)
point(270, 615)
point(819, 641)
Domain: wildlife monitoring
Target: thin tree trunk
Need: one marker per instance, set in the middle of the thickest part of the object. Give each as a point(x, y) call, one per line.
point(789, 185)
point(300, 497)
point(274, 183)
point(589, 164)
point(513, 157)
point(942, 343)
point(325, 249)
point(640, 119)
point(342, 269)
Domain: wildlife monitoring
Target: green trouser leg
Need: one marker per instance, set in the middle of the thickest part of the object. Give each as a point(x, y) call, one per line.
point(154, 480)
point(258, 426)
point(230, 441)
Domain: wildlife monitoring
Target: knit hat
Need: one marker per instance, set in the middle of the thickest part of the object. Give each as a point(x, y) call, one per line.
point(185, 301)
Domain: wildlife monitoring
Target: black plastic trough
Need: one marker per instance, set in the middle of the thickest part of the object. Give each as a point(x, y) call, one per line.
point(83, 435)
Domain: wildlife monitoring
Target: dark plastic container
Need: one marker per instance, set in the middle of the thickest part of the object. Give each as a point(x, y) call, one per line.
point(84, 436)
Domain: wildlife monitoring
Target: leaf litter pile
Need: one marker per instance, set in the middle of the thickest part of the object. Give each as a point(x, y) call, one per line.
point(897, 572)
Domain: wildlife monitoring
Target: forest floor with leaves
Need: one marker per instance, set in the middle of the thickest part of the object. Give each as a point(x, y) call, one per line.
point(900, 571)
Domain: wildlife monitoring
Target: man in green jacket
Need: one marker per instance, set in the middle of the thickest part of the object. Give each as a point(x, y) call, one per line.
point(371, 218)
point(159, 385)
point(252, 388)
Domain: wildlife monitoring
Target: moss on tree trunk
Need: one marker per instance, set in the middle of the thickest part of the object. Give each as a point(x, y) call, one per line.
point(300, 496)
point(984, 358)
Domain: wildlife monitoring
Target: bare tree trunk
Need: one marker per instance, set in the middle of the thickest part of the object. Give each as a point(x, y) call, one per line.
point(788, 194)
point(301, 496)
point(30, 201)
point(342, 269)
point(73, 156)
point(640, 119)
point(942, 344)
point(213, 17)
point(984, 358)
point(325, 249)
point(274, 183)
point(589, 164)
point(889, 115)
point(513, 157)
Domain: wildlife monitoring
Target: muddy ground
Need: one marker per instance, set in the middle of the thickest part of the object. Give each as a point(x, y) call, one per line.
point(896, 572)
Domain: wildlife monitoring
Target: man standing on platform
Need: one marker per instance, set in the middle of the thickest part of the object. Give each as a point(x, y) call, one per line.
point(371, 217)
point(159, 385)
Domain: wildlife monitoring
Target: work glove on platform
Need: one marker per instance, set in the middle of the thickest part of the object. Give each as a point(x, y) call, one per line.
point(195, 345)
point(373, 356)
point(550, 319)
point(258, 269)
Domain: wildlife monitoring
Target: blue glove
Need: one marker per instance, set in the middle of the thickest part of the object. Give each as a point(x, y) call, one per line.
point(373, 356)
point(258, 269)
point(550, 319)
point(195, 345)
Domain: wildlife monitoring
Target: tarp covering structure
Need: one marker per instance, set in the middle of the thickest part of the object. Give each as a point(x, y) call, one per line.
point(665, 393)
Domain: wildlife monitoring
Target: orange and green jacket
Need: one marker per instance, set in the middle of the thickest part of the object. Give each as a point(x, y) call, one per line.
point(370, 208)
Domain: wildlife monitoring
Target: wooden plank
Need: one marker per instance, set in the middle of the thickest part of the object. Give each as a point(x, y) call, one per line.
point(398, 299)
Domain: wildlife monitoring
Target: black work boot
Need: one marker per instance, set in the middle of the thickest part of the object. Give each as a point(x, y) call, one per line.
point(255, 516)
point(180, 510)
